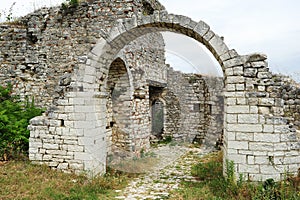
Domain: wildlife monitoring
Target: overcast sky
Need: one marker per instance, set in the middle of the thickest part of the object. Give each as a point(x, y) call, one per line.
point(269, 26)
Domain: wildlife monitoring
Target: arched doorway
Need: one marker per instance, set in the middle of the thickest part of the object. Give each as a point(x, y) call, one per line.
point(118, 109)
point(125, 31)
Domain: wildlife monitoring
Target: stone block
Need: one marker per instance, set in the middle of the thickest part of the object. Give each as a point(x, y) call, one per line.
point(268, 128)
point(266, 137)
point(247, 168)
point(261, 146)
point(262, 160)
point(50, 146)
point(250, 160)
point(264, 110)
point(238, 71)
point(238, 109)
point(240, 87)
point(245, 128)
point(76, 166)
point(231, 118)
point(238, 159)
point(247, 118)
point(75, 148)
point(62, 166)
point(230, 101)
point(238, 144)
point(244, 136)
point(235, 79)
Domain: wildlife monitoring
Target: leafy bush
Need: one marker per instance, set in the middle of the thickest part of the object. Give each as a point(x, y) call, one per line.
point(14, 119)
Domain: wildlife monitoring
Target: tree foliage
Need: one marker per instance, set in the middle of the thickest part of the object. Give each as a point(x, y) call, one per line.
point(14, 119)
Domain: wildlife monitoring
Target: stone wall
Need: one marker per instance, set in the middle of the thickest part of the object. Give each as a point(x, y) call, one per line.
point(64, 59)
point(259, 139)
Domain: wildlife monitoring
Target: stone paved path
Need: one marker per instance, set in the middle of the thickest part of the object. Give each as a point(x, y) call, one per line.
point(174, 166)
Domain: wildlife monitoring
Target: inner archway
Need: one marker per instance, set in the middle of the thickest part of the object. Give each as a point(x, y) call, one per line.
point(118, 110)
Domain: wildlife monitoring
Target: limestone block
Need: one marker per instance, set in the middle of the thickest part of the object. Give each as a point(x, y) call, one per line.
point(238, 144)
point(287, 137)
point(284, 129)
point(250, 72)
point(63, 102)
point(240, 87)
point(218, 45)
point(71, 142)
point(238, 159)
point(50, 146)
point(76, 166)
point(47, 157)
point(230, 87)
point(75, 148)
point(238, 71)
point(264, 75)
point(201, 28)
point(76, 116)
point(248, 168)
point(269, 169)
point(250, 160)
point(237, 61)
point(76, 101)
point(229, 135)
point(264, 110)
point(56, 152)
point(33, 150)
point(262, 160)
point(235, 79)
point(266, 137)
point(261, 88)
point(244, 136)
point(38, 121)
point(238, 109)
point(230, 101)
point(266, 101)
point(84, 109)
point(231, 118)
point(63, 166)
point(248, 118)
point(261, 146)
point(268, 128)
point(234, 94)
point(229, 71)
point(259, 64)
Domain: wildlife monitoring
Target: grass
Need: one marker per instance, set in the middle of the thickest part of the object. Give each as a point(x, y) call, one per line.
point(212, 185)
point(23, 180)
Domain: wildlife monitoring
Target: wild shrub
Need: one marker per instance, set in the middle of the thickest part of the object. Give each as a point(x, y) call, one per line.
point(14, 119)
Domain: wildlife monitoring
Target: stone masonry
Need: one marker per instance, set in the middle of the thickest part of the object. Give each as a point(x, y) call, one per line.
point(99, 67)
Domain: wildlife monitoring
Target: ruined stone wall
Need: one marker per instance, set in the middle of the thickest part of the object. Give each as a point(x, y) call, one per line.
point(191, 97)
point(289, 90)
point(215, 126)
point(47, 45)
point(41, 57)
point(259, 139)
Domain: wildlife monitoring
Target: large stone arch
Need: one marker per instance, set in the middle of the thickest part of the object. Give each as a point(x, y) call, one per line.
point(251, 134)
point(126, 30)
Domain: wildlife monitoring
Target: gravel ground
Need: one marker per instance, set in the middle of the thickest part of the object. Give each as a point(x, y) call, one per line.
point(173, 166)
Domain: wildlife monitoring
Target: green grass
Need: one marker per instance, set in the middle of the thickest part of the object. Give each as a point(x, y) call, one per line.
point(23, 180)
point(212, 185)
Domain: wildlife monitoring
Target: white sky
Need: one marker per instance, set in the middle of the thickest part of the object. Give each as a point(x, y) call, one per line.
point(268, 26)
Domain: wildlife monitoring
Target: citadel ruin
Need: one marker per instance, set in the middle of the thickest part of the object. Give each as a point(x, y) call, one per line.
point(99, 69)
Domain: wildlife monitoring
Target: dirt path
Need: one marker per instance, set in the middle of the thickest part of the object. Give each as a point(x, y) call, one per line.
point(173, 167)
